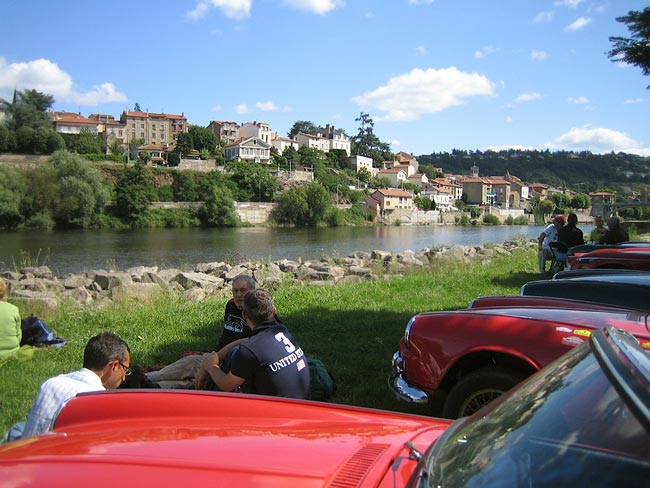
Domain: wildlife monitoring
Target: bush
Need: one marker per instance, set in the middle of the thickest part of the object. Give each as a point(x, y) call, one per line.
point(41, 220)
point(491, 219)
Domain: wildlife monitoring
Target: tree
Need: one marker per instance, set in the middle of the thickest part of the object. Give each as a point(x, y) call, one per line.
point(29, 109)
point(546, 207)
point(254, 181)
point(85, 142)
point(81, 195)
point(134, 144)
point(185, 187)
point(219, 209)
point(304, 126)
point(203, 138)
point(116, 147)
point(318, 202)
point(184, 143)
point(635, 49)
point(135, 191)
point(366, 143)
point(292, 208)
point(11, 191)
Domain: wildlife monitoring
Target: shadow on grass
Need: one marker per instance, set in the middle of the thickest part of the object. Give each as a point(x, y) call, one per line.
point(518, 279)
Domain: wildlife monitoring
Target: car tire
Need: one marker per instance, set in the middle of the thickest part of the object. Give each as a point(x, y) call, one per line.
point(477, 389)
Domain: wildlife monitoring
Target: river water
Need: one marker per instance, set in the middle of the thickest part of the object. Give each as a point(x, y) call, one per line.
point(75, 251)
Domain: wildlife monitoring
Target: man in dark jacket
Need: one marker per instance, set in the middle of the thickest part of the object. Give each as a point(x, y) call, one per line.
point(570, 234)
point(270, 362)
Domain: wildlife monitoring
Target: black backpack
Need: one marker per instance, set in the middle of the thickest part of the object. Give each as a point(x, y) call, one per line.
point(321, 382)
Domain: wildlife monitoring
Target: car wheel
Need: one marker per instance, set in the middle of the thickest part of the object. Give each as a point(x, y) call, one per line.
point(477, 389)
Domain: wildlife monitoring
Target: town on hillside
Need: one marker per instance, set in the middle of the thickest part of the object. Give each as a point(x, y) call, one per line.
point(504, 196)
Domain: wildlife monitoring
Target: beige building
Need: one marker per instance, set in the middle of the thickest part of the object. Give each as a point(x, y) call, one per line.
point(72, 123)
point(226, 132)
point(258, 130)
point(154, 128)
point(386, 201)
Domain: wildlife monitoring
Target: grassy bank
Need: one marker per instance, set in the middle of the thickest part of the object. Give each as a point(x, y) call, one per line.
point(354, 328)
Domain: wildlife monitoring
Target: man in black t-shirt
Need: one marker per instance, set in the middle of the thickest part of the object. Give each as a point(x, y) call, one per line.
point(270, 362)
point(234, 324)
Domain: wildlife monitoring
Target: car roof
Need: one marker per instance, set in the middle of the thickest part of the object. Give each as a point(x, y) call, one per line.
point(574, 273)
point(624, 294)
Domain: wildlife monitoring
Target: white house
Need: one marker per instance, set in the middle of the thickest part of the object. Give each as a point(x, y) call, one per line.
point(252, 149)
point(396, 176)
point(315, 142)
point(358, 162)
point(281, 143)
point(260, 130)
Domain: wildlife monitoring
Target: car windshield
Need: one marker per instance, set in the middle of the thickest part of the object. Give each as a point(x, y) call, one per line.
point(566, 426)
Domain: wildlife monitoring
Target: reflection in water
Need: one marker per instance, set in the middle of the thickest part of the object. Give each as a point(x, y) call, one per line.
point(74, 251)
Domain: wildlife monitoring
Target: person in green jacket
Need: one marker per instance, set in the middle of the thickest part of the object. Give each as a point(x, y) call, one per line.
point(10, 331)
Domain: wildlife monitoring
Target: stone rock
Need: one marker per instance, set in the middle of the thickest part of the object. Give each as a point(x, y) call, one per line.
point(109, 280)
point(200, 280)
point(215, 268)
point(38, 271)
point(194, 294)
point(235, 271)
point(76, 281)
point(11, 275)
point(141, 292)
point(77, 295)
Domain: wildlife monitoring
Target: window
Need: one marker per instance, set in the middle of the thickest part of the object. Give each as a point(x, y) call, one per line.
point(120, 132)
point(133, 135)
point(142, 135)
point(142, 126)
point(132, 125)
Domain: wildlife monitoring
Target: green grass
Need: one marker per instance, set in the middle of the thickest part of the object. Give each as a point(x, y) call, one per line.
point(353, 328)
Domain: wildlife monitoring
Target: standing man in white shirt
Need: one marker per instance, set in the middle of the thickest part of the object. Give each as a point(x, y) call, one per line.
point(106, 364)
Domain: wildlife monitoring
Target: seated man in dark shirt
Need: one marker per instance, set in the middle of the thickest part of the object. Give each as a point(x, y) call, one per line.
point(270, 362)
point(570, 235)
point(234, 324)
point(615, 232)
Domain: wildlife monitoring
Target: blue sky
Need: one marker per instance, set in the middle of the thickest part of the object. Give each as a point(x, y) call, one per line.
point(434, 75)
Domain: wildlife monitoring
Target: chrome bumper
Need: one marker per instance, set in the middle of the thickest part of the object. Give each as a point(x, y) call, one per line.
point(398, 385)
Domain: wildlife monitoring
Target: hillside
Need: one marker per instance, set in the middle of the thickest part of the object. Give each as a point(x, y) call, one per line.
point(581, 171)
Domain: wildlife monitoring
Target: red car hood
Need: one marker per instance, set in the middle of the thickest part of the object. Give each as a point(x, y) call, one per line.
point(180, 438)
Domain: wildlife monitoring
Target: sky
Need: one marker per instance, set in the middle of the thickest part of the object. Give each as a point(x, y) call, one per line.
point(434, 75)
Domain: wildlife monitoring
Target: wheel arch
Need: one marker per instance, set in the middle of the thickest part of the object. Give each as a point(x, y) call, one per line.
point(487, 359)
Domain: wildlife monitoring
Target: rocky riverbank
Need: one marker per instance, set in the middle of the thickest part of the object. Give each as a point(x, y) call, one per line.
point(37, 286)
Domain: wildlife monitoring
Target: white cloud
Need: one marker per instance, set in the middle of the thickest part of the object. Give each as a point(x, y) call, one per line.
point(268, 106)
point(316, 6)
point(419, 92)
point(395, 142)
point(421, 50)
point(634, 100)
point(568, 3)
point(234, 9)
point(481, 53)
point(538, 55)
point(508, 120)
point(543, 17)
point(45, 76)
point(528, 97)
point(242, 108)
point(217, 108)
point(578, 24)
point(597, 140)
point(578, 100)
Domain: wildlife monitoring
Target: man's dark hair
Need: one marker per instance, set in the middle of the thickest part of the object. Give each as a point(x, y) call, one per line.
point(572, 220)
point(258, 305)
point(104, 348)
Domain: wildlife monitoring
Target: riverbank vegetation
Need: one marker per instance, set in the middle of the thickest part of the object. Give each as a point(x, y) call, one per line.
point(353, 328)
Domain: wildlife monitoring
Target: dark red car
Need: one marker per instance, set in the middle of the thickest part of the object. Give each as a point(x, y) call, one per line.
point(611, 257)
point(467, 358)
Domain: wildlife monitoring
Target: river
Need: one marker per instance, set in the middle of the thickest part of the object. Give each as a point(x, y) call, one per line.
point(75, 251)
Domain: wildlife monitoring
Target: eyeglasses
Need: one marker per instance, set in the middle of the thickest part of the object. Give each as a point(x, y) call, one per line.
point(127, 370)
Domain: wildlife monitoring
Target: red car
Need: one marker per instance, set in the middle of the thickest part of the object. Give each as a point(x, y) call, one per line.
point(467, 358)
point(612, 257)
point(585, 421)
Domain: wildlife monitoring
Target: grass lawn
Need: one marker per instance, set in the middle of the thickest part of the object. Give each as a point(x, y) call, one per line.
point(353, 328)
